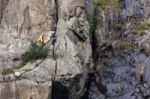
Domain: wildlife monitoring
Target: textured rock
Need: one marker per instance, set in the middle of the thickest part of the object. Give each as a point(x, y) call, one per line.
point(146, 72)
point(121, 50)
point(115, 34)
point(23, 20)
point(24, 89)
point(66, 34)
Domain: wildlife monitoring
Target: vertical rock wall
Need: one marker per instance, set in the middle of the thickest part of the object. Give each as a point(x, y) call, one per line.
point(69, 58)
point(113, 33)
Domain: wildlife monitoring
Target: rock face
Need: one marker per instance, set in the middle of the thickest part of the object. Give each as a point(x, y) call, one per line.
point(122, 59)
point(146, 4)
point(70, 52)
point(98, 49)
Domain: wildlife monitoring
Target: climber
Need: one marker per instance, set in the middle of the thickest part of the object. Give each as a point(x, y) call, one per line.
point(40, 39)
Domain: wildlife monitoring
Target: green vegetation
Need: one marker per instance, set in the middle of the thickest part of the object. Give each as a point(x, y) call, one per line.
point(93, 24)
point(116, 2)
point(99, 2)
point(35, 52)
point(144, 24)
point(92, 20)
point(138, 31)
point(115, 6)
point(106, 4)
point(148, 41)
point(141, 29)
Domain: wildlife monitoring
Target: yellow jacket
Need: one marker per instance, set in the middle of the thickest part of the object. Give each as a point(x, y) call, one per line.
point(40, 39)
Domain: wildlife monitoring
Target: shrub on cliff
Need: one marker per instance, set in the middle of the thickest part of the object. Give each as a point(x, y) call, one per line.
point(35, 52)
point(98, 2)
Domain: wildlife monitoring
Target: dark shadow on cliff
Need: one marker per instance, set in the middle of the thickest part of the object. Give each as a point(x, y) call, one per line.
point(59, 91)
